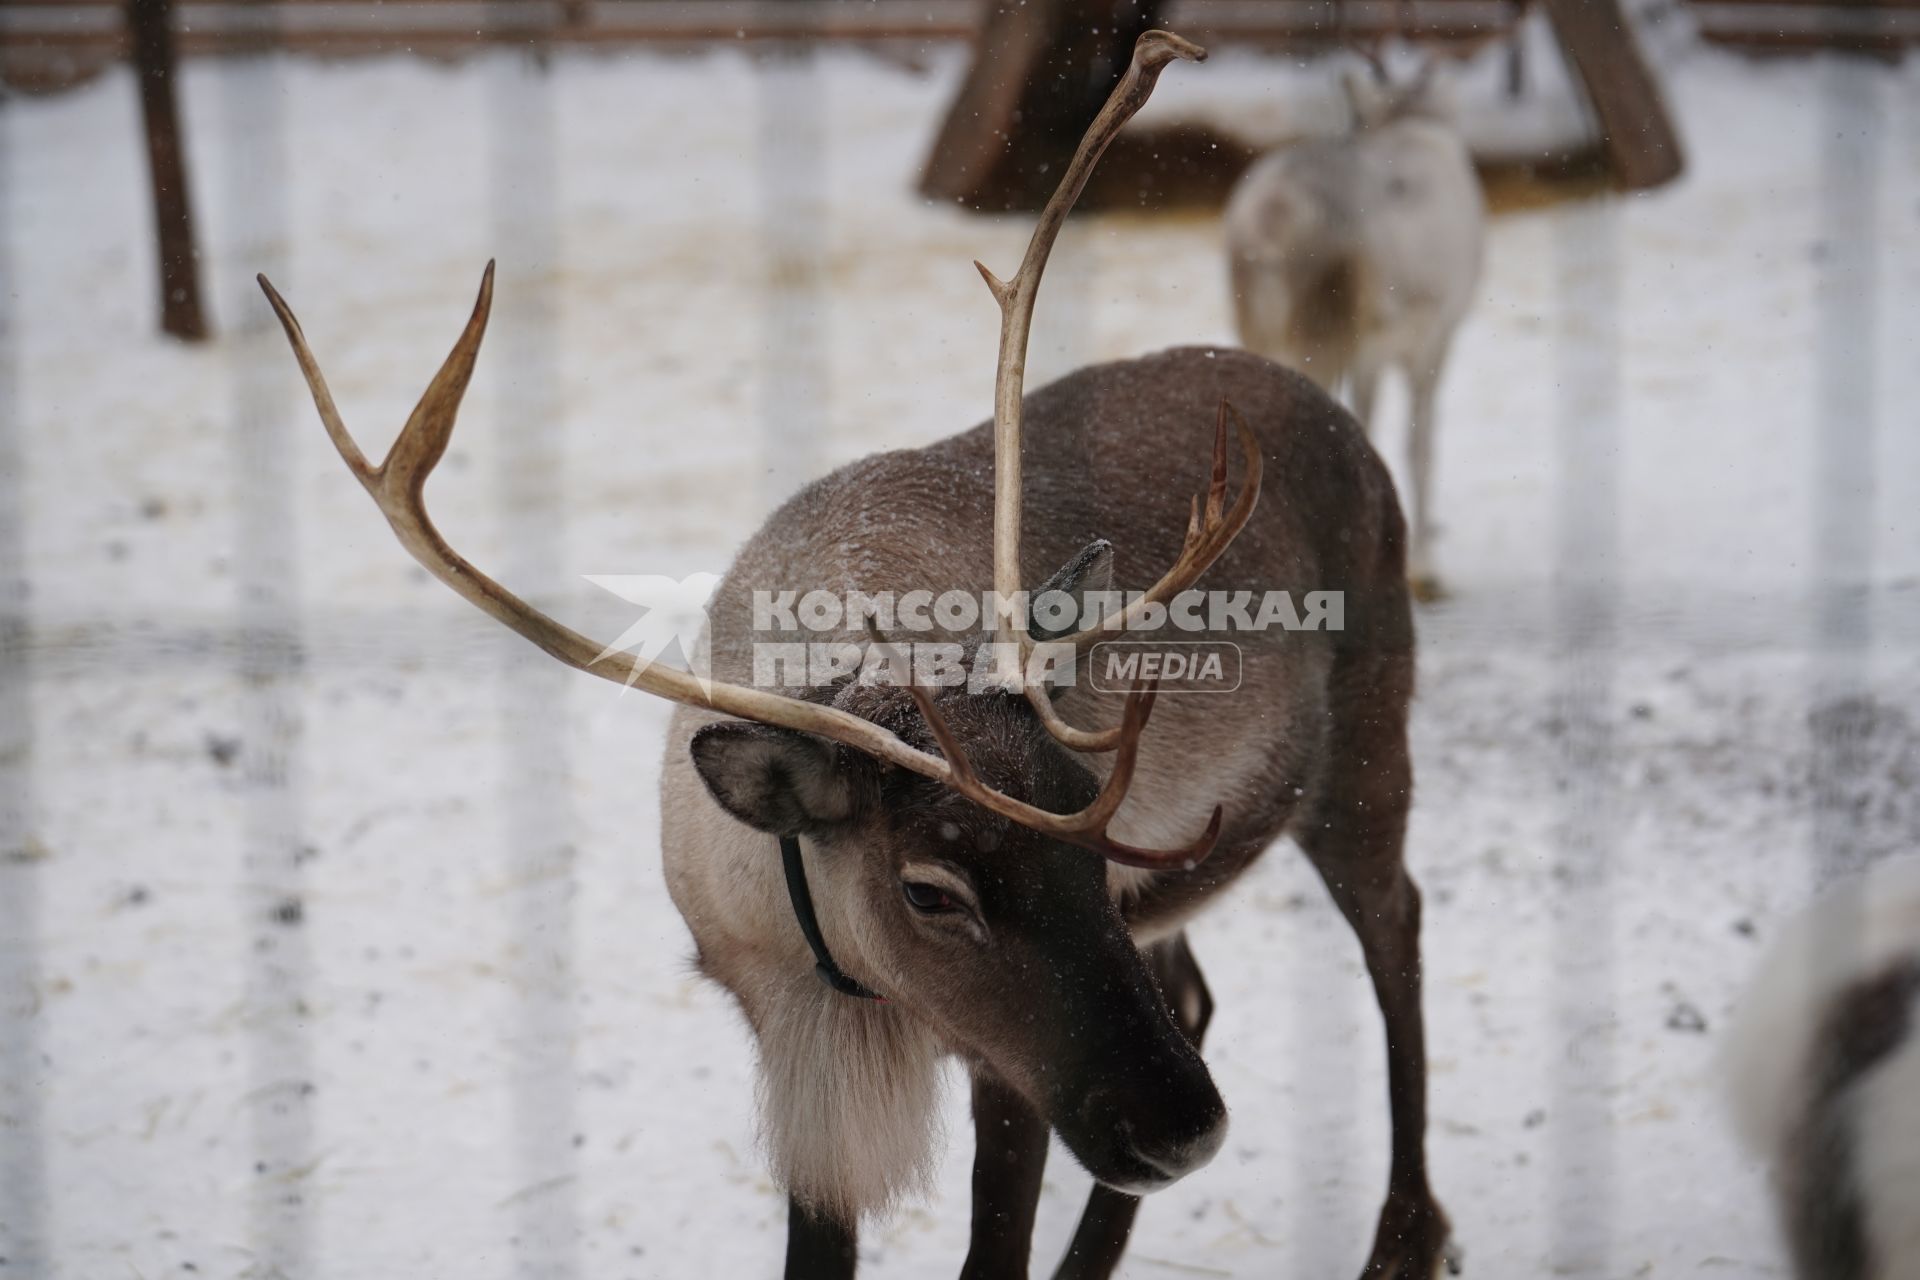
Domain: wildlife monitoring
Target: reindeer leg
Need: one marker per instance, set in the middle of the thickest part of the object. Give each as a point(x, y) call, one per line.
point(1412, 1239)
point(1364, 387)
point(1106, 1223)
point(818, 1248)
point(1354, 836)
point(1421, 576)
point(1009, 1155)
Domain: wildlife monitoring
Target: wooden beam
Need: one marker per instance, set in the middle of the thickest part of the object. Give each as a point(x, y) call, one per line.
point(150, 24)
point(1635, 127)
point(1041, 70)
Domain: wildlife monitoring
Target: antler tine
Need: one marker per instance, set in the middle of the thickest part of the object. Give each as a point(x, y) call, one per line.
point(962, 777)
point(337, 431)
point(1099, 814)
point(396, 484)
point(1217, 483)
point(1133, 721)
point(1371, 52)
point(1367, 47)
point(1151, 53)
point(1088, 827)
point(1163, 859)
point(397, 488)
point(1209, 532)
point(1066, 734)
point(1376, 61)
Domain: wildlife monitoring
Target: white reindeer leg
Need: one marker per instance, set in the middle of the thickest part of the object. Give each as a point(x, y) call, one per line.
point(1363, 382)
point(1420, 568)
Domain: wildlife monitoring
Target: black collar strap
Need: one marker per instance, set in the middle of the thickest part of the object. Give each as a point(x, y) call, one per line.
point(823, 965)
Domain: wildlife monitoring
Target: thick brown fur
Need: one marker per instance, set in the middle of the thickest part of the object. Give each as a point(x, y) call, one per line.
point(1313, 741)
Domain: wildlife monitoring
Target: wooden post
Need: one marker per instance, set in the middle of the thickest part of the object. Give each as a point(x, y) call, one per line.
point(150, 23)
point(1041, 70)
point(1517, 50)
point(1642, 146)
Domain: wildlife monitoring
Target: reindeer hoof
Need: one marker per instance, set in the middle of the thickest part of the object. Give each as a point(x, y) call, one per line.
point(1414, 1242)
point(1426, 588)
point(1454, 1257)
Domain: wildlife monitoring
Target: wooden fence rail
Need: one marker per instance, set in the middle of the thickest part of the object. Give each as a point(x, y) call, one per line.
point(48, 44)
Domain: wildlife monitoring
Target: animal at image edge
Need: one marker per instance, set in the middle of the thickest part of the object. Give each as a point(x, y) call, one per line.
point(1823, 1064)
point(1352, 256)
point(1003, 874)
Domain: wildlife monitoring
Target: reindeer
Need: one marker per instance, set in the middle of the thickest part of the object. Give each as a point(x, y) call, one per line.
point(885, 874)
point(1351, 256)
point(1824, 1067)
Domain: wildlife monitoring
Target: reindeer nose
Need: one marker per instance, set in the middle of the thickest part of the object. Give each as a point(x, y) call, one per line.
point(1181, 1156)
point(1155, 1136)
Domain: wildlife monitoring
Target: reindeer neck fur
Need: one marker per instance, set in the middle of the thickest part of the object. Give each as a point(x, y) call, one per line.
point(848, 1095)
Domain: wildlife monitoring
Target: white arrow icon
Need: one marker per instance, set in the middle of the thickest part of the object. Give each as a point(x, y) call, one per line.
point(676, 610)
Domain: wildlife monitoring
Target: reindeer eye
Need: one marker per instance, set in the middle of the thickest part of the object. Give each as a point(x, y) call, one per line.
point(926, 897)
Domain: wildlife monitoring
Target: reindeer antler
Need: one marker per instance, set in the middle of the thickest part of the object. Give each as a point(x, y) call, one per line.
point(1151, 54)
point(1087, 828)
point(1209, 531)
point(397, 486)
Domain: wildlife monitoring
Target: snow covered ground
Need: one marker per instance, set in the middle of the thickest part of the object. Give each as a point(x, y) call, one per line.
point(358, 964)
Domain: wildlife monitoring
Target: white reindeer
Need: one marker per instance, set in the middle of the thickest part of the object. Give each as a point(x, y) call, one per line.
point(1824, 1067)
point(1350, 256)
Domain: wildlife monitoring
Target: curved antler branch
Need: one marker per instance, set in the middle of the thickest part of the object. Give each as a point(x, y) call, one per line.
point(1088, 827)
point(1016, 298)
point(397, 488)
point(1210, 531)
point(1151, 54)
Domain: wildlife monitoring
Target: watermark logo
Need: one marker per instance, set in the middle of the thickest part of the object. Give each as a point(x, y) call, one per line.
point(1058, 613)
point(808, 638)
point(1191, 666)
point(675, 614)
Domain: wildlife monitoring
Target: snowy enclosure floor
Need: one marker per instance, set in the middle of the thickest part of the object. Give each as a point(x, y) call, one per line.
point(358, 963)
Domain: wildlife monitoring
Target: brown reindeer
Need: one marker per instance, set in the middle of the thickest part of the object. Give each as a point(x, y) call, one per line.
point(972, 870)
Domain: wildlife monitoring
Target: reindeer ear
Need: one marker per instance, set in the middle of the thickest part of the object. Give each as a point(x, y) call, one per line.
point(1367, 99)
point(780, 781)
point(1089, 573)
point(1429, 93)
point(1424, 79)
